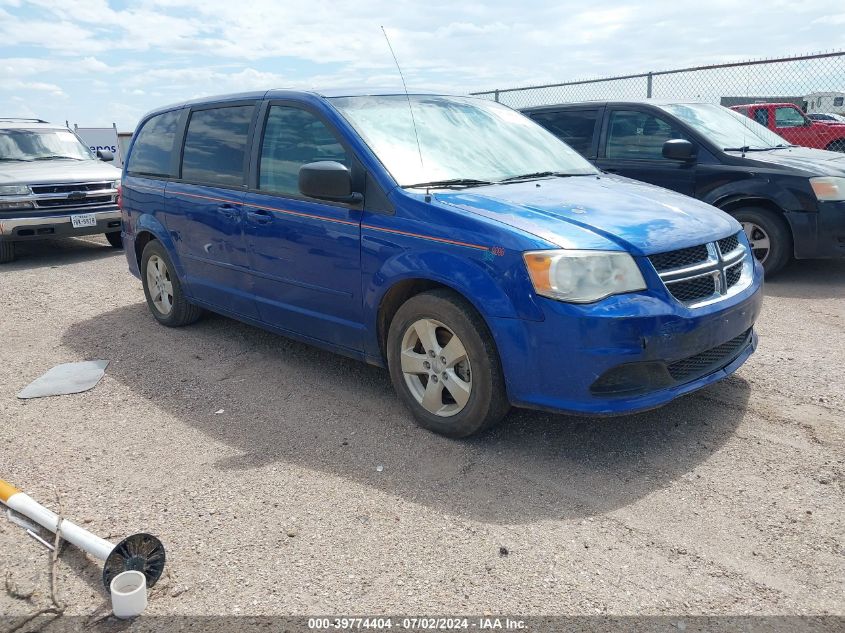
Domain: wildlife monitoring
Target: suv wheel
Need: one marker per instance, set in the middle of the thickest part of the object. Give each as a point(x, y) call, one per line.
point(115, 239)
point(768, 236)
point(444, 365)
point(7, 252)
point(163, 290)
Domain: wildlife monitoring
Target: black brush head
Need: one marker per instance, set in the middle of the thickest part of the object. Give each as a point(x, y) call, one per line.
point(139, 552)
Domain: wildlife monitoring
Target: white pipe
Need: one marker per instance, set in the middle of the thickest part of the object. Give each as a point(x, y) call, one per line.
point(69, 531)
point(128, 594)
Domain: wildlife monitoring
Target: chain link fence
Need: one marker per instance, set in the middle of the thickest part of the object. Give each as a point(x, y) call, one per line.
point(809, 91)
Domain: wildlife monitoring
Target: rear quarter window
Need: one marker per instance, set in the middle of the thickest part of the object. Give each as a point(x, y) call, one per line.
point(153, 148)
point(576, 128)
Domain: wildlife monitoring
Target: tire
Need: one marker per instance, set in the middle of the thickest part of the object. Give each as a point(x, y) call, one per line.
point(766, 228)
point(837, 146)
point(437, 317)
point(115, 239)
point(163, 290)
point(7, 252)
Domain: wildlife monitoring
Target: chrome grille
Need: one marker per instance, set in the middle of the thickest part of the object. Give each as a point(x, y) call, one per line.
point(73, 195)
point(679, 258)
point(68, 188)
point(705, 273)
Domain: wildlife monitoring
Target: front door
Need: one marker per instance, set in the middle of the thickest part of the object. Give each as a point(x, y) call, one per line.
point(305, 254)
point(633, 147)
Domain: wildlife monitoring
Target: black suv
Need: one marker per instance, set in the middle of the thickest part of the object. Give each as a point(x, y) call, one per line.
point(789, 199)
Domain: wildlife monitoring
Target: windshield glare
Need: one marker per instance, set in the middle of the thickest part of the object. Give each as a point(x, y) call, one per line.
point(726, 128)
point(37, 144)
point(459, 138)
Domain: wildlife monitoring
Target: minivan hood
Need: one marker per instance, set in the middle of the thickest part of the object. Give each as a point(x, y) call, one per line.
point(598, 212)
point(55, 171)
point(814, 162)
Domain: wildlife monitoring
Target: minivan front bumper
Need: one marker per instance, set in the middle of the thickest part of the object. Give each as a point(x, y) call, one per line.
point(58, 225)
point(625, 354)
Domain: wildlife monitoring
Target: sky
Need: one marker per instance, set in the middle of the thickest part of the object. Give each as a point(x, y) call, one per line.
point(95, 62)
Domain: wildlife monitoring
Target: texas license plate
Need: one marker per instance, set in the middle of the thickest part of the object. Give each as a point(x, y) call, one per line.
point(82, 220)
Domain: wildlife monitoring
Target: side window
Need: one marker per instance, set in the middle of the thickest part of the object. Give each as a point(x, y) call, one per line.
point(838, 101)
point(761, 115)
point(573, 127)
point(638, 135)
point(152, 149)
point(292, 138)
point(788, 117)
point(215, 145)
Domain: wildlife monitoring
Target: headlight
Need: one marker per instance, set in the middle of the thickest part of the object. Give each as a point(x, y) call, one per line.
point(116, 184)
point(582, 276)
point(14, 190)
point(828, 188)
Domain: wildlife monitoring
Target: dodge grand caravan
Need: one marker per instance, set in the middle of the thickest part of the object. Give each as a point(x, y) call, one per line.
point(790, 200)
point(468, 250)
point(51, 185)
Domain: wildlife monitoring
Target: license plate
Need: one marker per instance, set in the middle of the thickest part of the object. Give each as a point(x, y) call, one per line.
point(82, 220)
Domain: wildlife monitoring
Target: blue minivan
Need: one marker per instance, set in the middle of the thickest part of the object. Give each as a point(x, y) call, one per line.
point(450, 239)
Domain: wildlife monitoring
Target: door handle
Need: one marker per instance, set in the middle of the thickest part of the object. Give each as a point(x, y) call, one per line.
point(229, 211)
point(259, 216)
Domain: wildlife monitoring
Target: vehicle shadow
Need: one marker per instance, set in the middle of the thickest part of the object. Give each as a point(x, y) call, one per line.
point(59, 251)
point(809, 279)
point(283, 401)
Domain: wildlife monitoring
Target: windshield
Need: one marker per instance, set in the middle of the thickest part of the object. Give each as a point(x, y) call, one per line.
point(725, 128)
point(30, 145)
point(460, 139)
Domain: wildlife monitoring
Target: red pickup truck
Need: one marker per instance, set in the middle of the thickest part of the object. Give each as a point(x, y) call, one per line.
point(787, 120)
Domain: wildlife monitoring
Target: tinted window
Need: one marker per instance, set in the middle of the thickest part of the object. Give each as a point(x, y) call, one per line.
point(761, 115)
point(215, 145)
point(292, 138)
point(573, 127)
point(152, 149)
point(638, 135)
point(788, 117)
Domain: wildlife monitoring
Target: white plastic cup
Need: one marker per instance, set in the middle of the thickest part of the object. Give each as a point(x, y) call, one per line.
point(128, 594)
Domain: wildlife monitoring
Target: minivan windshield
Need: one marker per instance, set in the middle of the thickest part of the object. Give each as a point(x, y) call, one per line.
point(41, 144)
point(462, 140)
point(724, 127)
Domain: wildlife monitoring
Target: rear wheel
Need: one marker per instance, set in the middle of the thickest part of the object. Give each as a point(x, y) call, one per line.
point(444, 365)
point(163, 290)
point(115, 239)
point(768, 235)
point(7, 252)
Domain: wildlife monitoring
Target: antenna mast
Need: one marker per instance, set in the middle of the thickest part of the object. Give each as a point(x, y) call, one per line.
point(407, 96)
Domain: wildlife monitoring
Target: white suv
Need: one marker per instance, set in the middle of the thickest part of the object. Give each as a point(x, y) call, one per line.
point(52, 185)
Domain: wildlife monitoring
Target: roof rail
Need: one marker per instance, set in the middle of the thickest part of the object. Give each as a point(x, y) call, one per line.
point(15, 119)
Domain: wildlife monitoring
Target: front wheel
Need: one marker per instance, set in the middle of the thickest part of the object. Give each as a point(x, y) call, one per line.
point(7, 252)
point(444, 365)
point(115, 239)
point(768, 236)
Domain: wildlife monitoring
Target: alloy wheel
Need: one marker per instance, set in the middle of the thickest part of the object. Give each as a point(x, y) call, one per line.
point(159, 285)
point(436, 367)
point(759, 240)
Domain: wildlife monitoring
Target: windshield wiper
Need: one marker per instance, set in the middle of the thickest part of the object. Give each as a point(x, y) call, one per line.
point(452, 182)
point(56, 156)
point(15, 160)
point(745, 149)
point(537, 174)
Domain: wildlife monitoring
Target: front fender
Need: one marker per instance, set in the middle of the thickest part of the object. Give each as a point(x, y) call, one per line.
point(497, 286)
point(751, 189)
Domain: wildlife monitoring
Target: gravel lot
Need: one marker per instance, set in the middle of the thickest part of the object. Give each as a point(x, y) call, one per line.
point(728, 501)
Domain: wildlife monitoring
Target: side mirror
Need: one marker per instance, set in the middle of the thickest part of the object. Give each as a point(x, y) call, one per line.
point(105, 155)
point(327, 180)
point(679, 149)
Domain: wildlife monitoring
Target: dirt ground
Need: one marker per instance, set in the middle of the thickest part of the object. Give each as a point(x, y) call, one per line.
point(287, 480)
